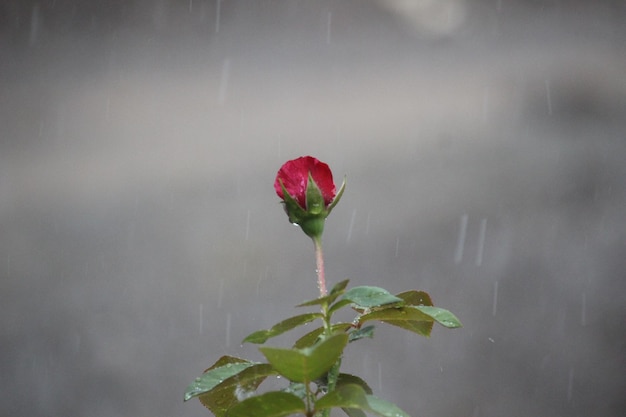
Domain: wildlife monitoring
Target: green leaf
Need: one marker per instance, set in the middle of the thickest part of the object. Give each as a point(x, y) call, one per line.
point(417, 319)
point(339, 304)
point(368, 297)
point(345, 379)
point(363, 332)
point(311, 338)
point(384, 408)
point(335, 292)
point(225, 367)
point(416, 298)
point(345, 396)
point(271, 404)
point(441, 316)
point(261, 336)
point(236, 388)
point(423, 328)
point(352, 397)
point(308, 364)
point(339, 287)
point(408, 318)
point(354, 412)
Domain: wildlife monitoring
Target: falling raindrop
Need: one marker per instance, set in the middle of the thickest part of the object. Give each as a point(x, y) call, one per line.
point(494, 307)
point(201, 318)
point(217, 16)
point(228, 315)
point(351, 226)
point(380, 377)
point(367, 224)
point(107, 111)
point(77, 341)
point(328, 27)
point(35, 24)
point(583, 310)
point(258, 282)
point(224, 79)
point(248, 225)
point(220, 294)
point(491, 339)
point(548, 96)
point(481, 242)
point(485, 105)
point(570, 384)
point(397, 247)
point(458, 254)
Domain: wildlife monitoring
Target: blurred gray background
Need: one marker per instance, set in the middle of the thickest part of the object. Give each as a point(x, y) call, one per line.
point(141, 239)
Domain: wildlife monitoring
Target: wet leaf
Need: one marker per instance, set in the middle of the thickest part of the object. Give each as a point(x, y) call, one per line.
point(368, 297)
point(396, 313)
point(416, 298)
point(384, 408)
point(345, 379)
point(417, 319)
point(339, 304)
point(352, 397)
point(261, 336)
point(441, 316)
point(308, 364)
point(271, 404)
point(335, 292)
point(354, 412)
point(311, 338)
point(423, 328)
point(224, 368)
point(363, 332)
point(339, 287)
point(344, 396)
point(236, 388)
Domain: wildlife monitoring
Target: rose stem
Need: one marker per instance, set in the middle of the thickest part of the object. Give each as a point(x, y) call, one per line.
point(319, 258)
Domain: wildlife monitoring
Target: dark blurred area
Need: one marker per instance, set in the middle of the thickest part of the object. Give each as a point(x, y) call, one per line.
point(141, 239)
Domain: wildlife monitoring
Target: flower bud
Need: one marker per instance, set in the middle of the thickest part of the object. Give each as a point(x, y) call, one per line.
point(307, 189)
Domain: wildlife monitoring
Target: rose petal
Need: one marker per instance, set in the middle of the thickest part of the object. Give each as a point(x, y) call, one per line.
point(294, 175)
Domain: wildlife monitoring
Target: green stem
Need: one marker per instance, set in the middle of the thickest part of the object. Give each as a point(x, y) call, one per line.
point(319, 260)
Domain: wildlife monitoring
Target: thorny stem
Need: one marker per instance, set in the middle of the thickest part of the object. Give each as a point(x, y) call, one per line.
point(319, 259)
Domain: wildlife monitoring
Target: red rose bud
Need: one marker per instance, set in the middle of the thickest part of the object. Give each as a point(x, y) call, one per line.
point(307, 189)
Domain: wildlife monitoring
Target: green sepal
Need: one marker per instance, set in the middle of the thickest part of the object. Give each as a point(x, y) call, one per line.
point(332, 205)
point(310, 218)
point(315, 205)
point(295, 212)
point(270, 404)
point(261, 336)
point(307, 364)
